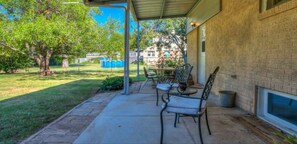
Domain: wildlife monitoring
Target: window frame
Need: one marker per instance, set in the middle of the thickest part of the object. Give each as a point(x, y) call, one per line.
point(265, 2)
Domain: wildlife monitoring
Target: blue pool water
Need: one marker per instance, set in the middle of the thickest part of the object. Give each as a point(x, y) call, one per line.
point(112, 64)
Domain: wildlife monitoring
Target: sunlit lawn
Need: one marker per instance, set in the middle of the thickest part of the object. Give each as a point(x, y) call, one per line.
point(28, 101)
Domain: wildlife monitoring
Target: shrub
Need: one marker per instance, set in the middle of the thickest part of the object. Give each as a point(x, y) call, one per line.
point(11, 63)
point(113, 83)
point(172, 63)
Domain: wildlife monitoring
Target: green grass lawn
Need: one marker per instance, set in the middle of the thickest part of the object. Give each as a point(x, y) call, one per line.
point(29, 102)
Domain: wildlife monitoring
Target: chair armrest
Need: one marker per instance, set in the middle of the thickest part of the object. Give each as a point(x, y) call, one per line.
point(166, 101)
point(163, 99)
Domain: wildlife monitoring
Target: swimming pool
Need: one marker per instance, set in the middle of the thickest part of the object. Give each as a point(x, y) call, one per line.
point(112, 64)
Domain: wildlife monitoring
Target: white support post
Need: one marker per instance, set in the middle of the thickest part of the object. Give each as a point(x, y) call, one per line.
point(138, 49)
point(127, 48)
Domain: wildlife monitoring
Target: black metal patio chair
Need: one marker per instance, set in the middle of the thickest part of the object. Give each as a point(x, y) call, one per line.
point(165, 83)
point(189, 106)
point(149, 76)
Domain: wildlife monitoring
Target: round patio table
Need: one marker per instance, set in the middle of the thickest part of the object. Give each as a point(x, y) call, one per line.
point(187, 92)
point(160, 71)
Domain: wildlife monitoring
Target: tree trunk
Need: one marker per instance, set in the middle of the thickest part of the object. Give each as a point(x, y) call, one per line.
point(43, 62)
point(65, 62)
point(42, 58)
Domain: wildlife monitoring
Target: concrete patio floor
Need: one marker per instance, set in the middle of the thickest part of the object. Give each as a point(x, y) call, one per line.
point(135, 118)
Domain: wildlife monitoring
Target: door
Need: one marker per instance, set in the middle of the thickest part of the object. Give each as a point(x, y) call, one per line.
point(201, 55)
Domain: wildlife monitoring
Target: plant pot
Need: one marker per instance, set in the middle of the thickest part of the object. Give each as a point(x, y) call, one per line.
point(227, 98)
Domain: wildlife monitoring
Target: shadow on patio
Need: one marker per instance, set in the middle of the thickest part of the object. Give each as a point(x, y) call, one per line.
point(135, 118)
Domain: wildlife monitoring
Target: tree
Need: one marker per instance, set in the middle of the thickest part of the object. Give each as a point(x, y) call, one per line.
point(167, 31)
point(111, 40)
point(174, 30)
point(146, 33)
point(41, 29)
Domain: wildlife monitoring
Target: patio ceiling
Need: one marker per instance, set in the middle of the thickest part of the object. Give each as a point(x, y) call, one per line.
point(153, 9)
point(157, 9)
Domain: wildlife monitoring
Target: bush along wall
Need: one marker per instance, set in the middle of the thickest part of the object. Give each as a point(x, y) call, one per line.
point(113, 83)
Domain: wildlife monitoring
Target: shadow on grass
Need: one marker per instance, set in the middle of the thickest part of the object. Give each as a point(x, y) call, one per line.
point(23, 115)
point(70, 75)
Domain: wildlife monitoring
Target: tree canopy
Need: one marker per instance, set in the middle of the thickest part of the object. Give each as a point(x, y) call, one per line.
point(111, 39)
point(167, 30)
point(41, 29)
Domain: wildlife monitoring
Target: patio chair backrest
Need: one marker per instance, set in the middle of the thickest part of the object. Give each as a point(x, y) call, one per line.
point(182, 73)
point(208, 86)
point(145, 72)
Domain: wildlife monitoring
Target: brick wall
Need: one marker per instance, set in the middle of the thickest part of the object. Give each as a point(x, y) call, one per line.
point(259, 48)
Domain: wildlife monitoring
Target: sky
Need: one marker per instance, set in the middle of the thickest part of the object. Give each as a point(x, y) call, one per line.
point(115, 13)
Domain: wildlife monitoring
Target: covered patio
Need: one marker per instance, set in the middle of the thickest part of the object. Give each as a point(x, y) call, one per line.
point(257, 57)
point(135, 118)
point(255, 53)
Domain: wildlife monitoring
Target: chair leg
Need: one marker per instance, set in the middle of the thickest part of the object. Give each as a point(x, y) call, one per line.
point(175, 119)
point(167, 94)
point(194, 119)
point(199, 128)
point(157, 97)
point(207, 121)
point(153, 81)
point(145, 82)
point(162, 127)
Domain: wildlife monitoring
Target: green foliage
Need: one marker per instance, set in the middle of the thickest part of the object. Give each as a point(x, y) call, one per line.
point(11, 63)
point(111, 41)
point(113, 83)
point(287, 138)
point(146, 33)
point(169, 31)
point(171, 63)
point(42, 29)
point(175, 30)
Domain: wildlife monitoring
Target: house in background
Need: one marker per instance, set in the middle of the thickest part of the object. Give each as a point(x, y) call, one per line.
point(133, 56)
point(151, 53)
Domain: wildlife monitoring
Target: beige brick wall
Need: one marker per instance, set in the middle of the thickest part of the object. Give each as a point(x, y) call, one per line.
point(260, 49)
point(192, 52)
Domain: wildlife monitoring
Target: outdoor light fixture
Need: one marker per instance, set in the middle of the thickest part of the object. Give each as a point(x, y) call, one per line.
point(193, 24)
point(102, 2)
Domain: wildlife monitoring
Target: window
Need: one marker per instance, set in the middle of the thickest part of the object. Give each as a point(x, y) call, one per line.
point(151, 53)
point(278, 108)
point(282, 107)
point(268, 4)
